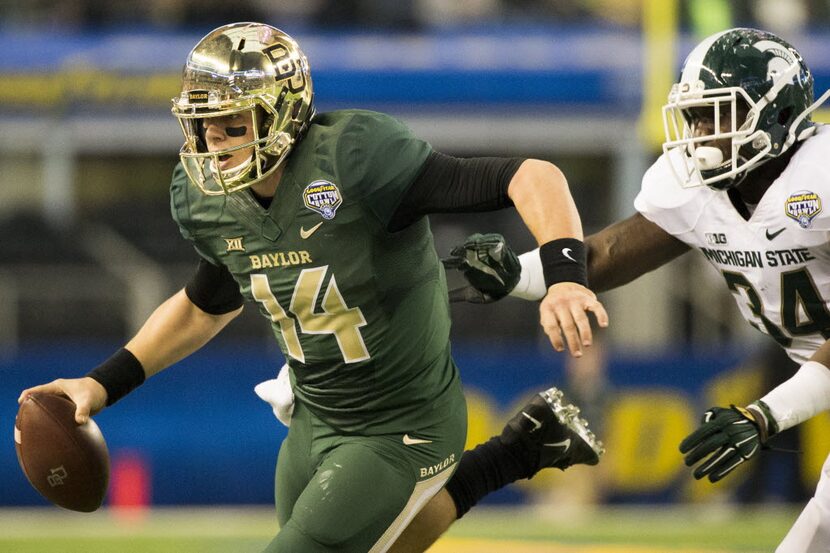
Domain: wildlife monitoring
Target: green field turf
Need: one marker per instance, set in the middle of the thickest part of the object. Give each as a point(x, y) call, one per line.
point(631, 530)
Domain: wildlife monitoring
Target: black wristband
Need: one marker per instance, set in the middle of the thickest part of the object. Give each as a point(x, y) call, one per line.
point(119, 375)
point(564, 260)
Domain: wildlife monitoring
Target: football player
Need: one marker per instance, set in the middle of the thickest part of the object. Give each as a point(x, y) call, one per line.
point(742, 179)
point(320, 220)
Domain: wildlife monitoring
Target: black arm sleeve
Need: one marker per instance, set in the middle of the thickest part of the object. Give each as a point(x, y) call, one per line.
point(213, 290)
point(448, 184)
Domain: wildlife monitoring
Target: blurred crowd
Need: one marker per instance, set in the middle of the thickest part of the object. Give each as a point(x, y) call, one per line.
point(92, 15)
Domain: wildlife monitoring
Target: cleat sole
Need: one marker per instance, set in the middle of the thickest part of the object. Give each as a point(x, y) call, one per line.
point(567, 415)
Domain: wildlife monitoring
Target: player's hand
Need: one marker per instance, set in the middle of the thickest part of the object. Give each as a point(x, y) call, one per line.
point(489, 266)
point(87, 393)
point(729, 436)
point(563, 314)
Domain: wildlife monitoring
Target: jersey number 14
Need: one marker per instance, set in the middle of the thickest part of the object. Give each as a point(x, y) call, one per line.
point(337, 319)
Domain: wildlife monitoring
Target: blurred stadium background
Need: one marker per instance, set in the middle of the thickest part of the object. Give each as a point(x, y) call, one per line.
point(87, 250)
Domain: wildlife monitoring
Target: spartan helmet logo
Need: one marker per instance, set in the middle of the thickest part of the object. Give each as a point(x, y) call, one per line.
point(744, 98)
point(780, 61)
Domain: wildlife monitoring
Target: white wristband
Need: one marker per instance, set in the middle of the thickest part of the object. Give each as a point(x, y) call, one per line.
point(801, 397)
point(531, 285)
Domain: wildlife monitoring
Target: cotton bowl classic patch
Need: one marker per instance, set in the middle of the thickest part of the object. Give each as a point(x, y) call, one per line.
point(323, 197)
point(803, 206)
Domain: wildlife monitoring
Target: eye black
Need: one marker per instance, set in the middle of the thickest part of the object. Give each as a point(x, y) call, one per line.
point(236, 131)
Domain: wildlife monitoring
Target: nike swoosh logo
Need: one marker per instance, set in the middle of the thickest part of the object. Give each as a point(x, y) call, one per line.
point(536, 424)
point(414, 441)
point(564, 444)
point(772, 235)
point(567, 253)
point(306, 233)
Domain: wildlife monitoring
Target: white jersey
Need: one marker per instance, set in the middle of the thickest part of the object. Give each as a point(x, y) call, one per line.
point(777, 263)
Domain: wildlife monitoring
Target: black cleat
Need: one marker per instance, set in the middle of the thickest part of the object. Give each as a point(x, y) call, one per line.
point(552, 434)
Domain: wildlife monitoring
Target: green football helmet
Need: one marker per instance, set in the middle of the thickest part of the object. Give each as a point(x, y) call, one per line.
point(243, 67)
point(744, 97)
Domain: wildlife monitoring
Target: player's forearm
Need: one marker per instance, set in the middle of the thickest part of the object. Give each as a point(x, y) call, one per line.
point(804, 395)
point(540, 193)
point(176, 329)
point(604, 272)
point(601, 275)
point(616, 255)
point(627, 250)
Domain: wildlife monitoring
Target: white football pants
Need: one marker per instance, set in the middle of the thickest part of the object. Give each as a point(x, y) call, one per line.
point(811, 531)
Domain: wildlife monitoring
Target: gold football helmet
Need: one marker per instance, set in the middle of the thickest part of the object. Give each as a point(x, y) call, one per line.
point(237, 68)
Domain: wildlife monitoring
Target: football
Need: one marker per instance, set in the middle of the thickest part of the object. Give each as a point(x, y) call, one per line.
point(66, 462)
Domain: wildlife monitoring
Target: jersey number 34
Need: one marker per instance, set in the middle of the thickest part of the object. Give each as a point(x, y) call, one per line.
point(802, 309)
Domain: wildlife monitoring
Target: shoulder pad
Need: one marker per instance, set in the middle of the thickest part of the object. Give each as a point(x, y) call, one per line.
point(807, 183)
point(195, 213)
point(665, 203)
point(178, 199)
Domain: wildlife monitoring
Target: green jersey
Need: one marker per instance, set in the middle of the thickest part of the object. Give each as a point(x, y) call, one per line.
point(361, 314)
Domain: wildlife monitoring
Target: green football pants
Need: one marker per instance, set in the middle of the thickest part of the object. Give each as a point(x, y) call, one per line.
point(356, 494)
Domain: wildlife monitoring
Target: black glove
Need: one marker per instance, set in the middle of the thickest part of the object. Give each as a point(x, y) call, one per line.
point(731, 435)
point(489, 266)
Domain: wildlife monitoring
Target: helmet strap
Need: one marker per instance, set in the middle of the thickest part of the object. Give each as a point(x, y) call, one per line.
point(791, 136)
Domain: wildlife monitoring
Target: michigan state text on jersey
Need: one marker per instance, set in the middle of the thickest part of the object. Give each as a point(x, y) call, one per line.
point(776, 267)
point(743, 178)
